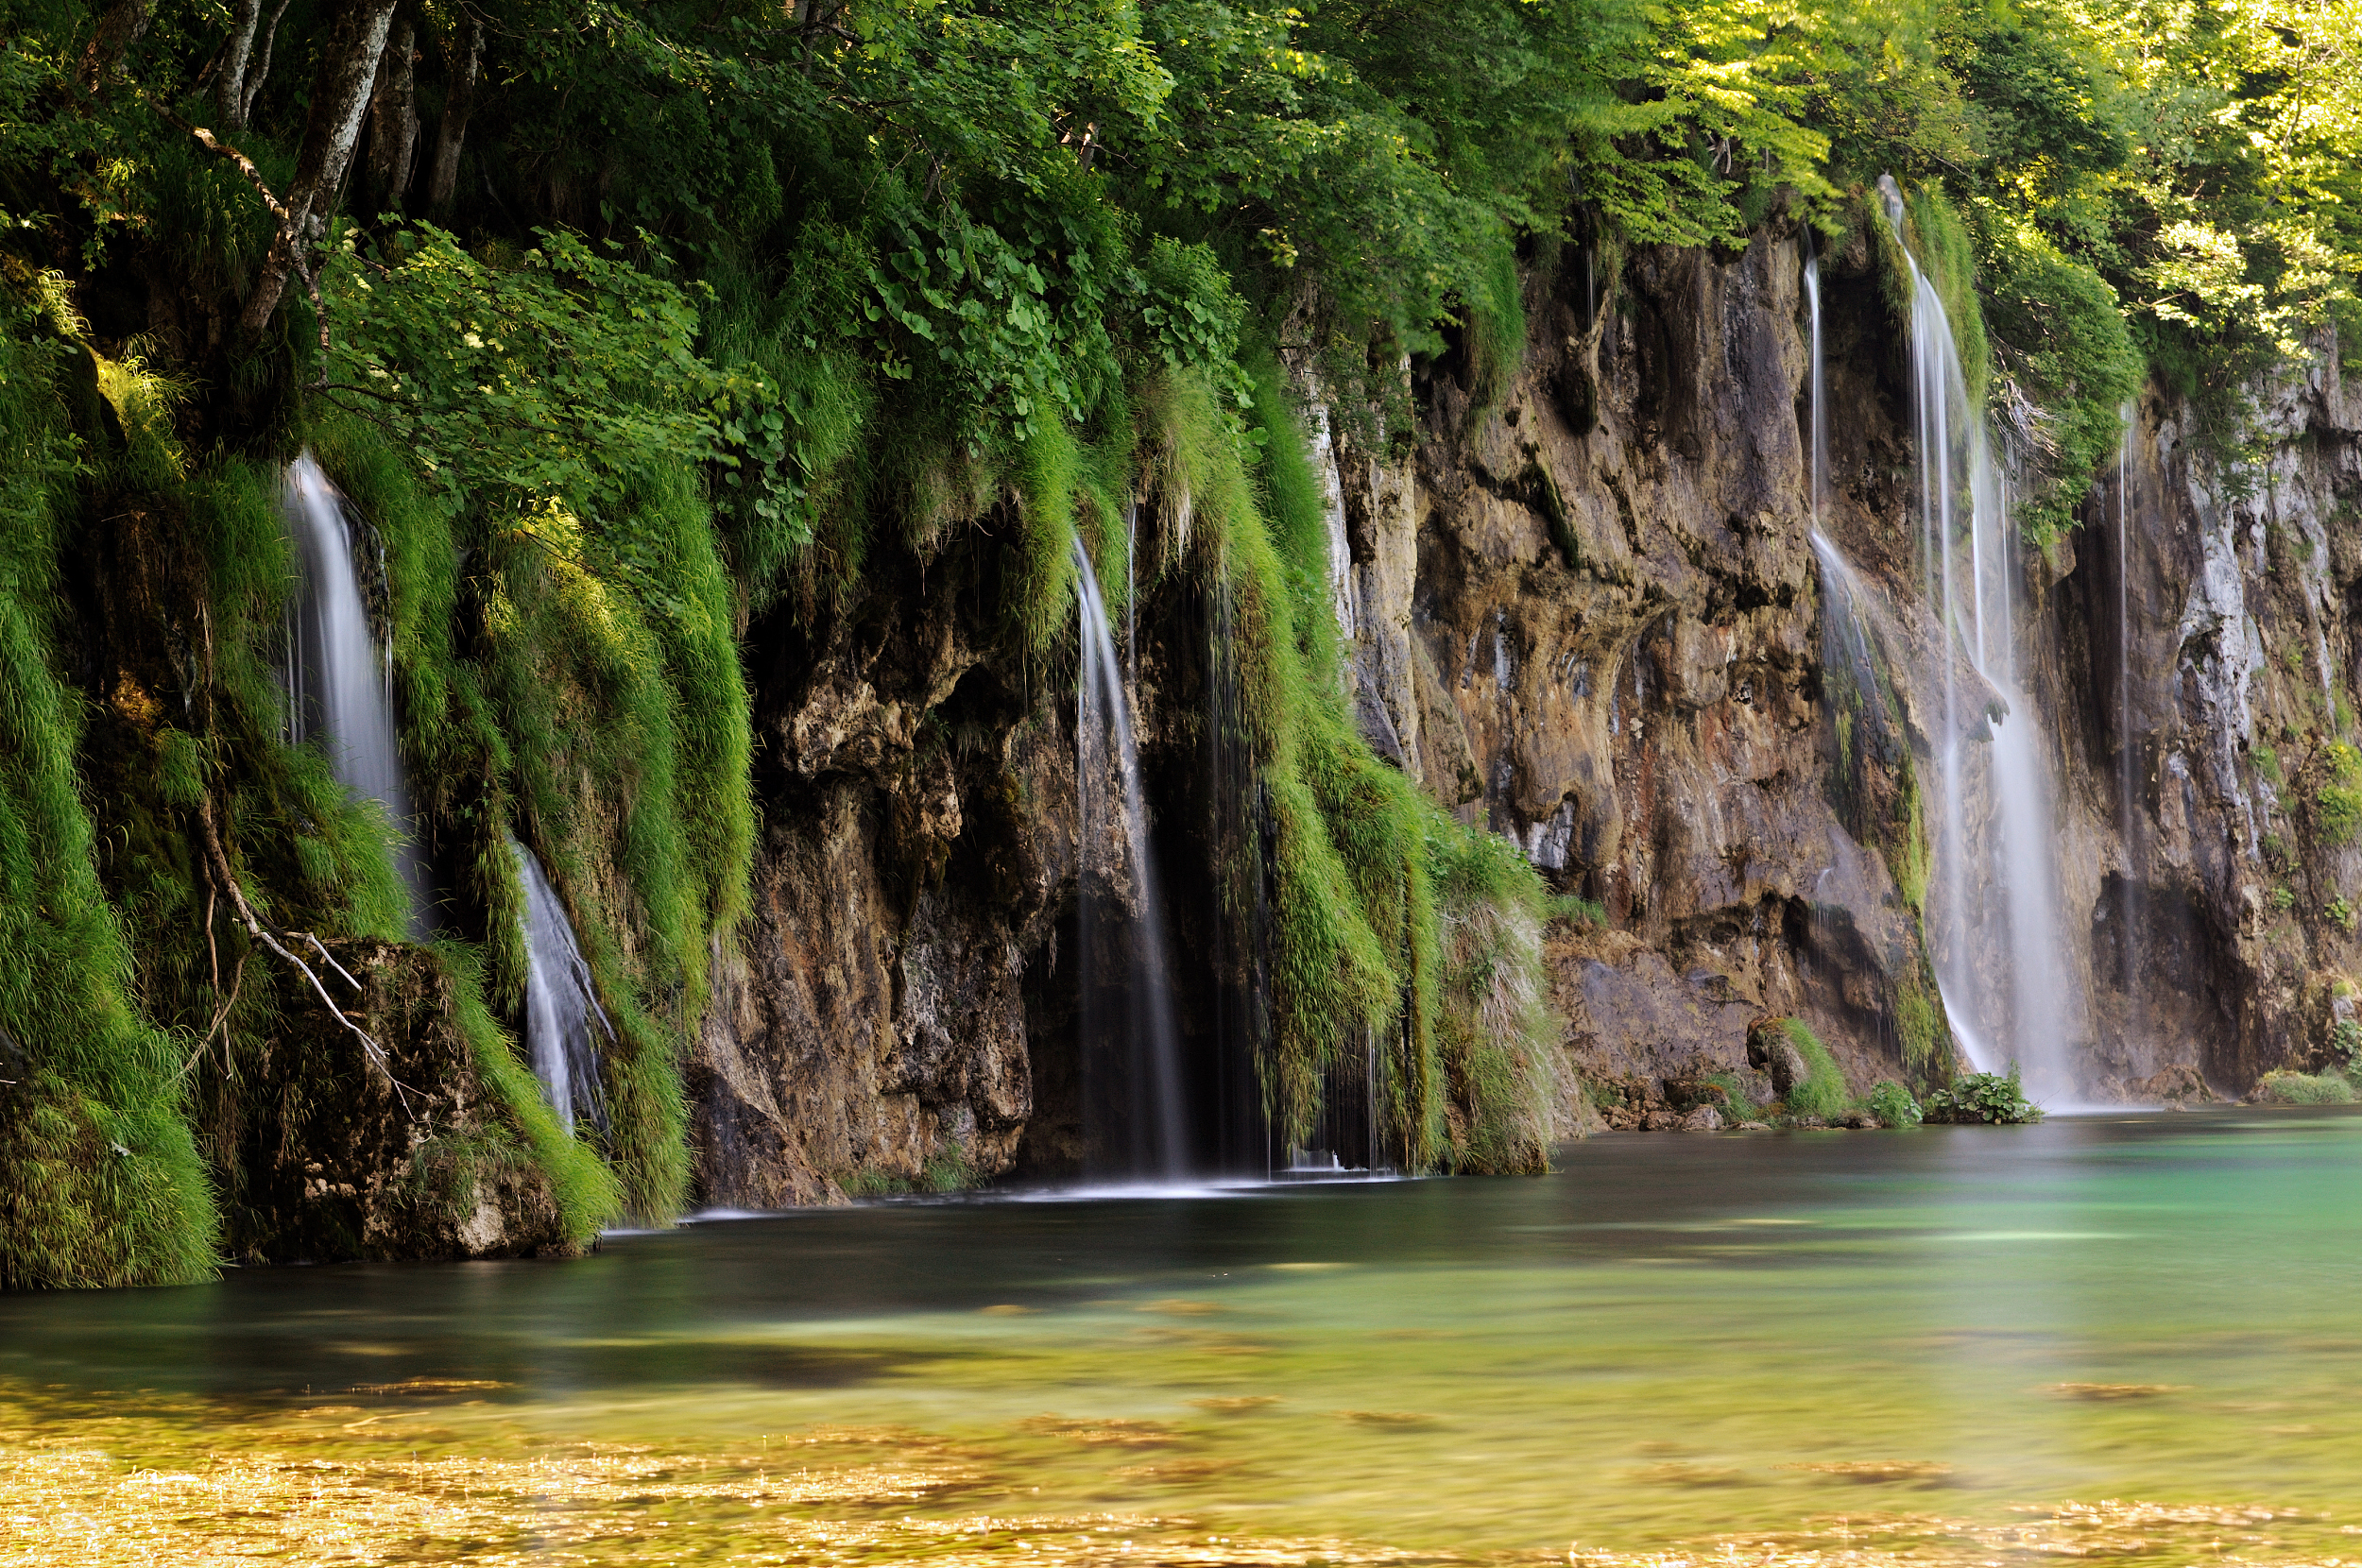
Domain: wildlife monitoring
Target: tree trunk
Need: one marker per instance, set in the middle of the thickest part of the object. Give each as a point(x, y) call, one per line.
point(119, 27)
point(230, 89)
point(393, 123)
point(464, 55)
point(340, 97)
point(261, 67)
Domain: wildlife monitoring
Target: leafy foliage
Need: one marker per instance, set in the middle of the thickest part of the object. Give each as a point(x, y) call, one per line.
point(1894, 1104)
point(1997, 1098)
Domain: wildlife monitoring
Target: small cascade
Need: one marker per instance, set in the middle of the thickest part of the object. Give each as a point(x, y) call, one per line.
point(1999, 949)
point(1820, 434)
point(561, 1004)
point(1135, 1116)
point(339, 681)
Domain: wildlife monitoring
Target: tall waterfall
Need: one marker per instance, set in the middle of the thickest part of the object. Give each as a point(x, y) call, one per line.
point(1135, 1117)
point(1997, 944)
point(340, 683)
point(560, 1002)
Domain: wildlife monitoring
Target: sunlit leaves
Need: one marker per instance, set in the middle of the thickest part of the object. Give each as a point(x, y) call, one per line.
point(563, 374)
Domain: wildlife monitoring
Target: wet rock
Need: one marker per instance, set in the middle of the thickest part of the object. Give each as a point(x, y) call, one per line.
point(1770, 1048)
point(1861, 1122)
point(1662, 1121)
point(2176, 1086)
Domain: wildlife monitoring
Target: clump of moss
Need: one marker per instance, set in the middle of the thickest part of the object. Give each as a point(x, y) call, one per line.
point(104, 1185)
point(2296, 1088)
point(2339, 802)
point(1821, 1091)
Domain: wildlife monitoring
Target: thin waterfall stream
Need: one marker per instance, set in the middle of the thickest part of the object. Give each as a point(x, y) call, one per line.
point(1136, 1123)
point(339, 679)
point(561, 1002)
point(1997, 938)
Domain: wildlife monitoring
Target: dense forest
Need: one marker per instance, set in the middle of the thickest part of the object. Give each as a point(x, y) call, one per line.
point(643, 336)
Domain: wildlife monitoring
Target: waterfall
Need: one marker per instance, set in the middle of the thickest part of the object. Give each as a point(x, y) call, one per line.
point(1998, 946)
point(340, 682)
point(1820, 425)
point(560, 1002)
point(1132, 1071)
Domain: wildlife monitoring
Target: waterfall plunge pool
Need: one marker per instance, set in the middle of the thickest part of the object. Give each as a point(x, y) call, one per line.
point(2135, 1335)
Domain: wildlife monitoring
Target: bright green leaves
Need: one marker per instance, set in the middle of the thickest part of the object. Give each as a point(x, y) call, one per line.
point(565, 374)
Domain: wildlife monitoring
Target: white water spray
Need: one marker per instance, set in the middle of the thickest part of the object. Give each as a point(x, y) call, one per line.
point(1132, 1075)
point(339, 682)
point(561, 1004)
point(1998, 950)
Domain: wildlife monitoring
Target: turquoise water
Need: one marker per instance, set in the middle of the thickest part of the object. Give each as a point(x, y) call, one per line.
point(1943, 1335)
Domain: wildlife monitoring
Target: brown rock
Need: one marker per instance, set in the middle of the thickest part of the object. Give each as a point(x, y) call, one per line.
point(1705, 1119)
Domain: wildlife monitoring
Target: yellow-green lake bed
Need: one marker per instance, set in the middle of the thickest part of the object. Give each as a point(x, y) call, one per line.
point(2138, 1337)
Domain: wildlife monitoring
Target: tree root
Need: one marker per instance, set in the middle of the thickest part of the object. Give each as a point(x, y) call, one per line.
point(374, 1052)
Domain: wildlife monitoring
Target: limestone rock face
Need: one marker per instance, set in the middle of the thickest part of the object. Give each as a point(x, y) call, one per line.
point(868, 1026)
point(1585, 610)
point(1613, 629)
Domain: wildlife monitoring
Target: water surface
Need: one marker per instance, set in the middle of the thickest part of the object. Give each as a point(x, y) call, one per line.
point(1928, 1343)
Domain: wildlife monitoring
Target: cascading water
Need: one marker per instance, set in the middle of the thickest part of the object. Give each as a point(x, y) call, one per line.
point(340, 683)
point(561, 1004)
point(1999, 949)
point(1136, 1119)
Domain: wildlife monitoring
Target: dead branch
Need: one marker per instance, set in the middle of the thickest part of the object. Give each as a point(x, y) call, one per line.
point(220, 862)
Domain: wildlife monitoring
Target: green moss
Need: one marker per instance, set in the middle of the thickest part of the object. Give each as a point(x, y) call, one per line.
point(103, 1184)
point(588, 1192)
point(1823, 1092)
point(2296, 1088)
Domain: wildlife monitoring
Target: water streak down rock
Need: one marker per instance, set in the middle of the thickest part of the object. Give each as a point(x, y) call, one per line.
point(1135, 1117)
point(340, 680)
point(561, 1002)
point(1994, 899)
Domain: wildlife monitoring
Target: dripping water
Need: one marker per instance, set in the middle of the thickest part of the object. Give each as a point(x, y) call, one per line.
point(339, 680)
point(1998, 946)
point(561, 1004)
point(1135, 1116)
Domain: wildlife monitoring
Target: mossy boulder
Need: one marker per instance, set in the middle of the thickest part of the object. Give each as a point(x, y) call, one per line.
point(432, 1156)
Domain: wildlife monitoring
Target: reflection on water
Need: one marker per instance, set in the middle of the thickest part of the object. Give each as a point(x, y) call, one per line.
point(1928, 1343)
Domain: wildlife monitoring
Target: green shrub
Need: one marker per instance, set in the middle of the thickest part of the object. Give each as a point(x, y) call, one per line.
point(1992, 1098)
point(2340, 912)
point(1823, 1092)
point(1894, 1105)
point(2345, 1038)
point(2296, 1088)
